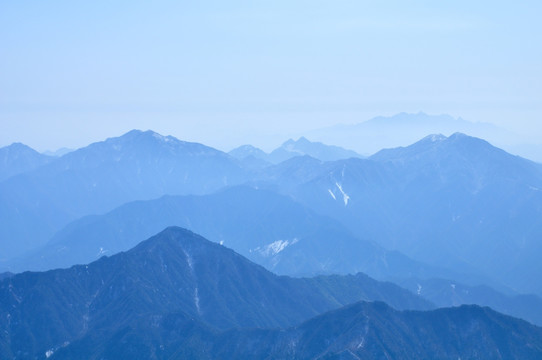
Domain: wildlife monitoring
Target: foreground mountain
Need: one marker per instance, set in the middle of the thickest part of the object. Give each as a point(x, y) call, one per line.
point(269, 229)
point(97, 178)
point(359, 331)
point(293, 148)
point(18, 158)
point(175, 271)
point(454, 201)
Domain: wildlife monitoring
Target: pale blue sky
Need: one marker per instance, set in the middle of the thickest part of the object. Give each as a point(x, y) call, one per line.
point(231, 72)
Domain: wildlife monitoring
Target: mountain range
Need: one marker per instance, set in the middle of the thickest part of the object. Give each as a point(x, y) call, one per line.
point(178, 295)
point(452, 202)
point(240, 217)
point(245, 219)
point(174, 271)
point(455, 201)
point(451, 218)
point(402, 129)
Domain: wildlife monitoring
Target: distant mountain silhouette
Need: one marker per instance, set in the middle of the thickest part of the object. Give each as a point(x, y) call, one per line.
point(292, 148)
point(402, 129)
point(18, 158)
point(174, 271)
point(95, 179)
point(318, 150)
point(245, 151)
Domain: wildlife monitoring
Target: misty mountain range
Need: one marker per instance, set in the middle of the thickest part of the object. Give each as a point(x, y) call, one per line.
point(369, 137)
point(452, 219)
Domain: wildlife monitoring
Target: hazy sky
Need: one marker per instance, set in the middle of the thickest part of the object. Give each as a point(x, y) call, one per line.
point(231, 72)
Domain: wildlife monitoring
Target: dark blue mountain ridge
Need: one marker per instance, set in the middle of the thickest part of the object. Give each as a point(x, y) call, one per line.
point(174, 271)
point(95, 179)
point(18, 158)
point(359, 331)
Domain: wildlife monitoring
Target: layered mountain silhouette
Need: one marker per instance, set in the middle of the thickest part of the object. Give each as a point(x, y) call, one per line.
point(245, 219)
point(270, 229)
point(455, 202)
point(97, 178)
point(175, 271)
point(458, 207)
point(18, 158)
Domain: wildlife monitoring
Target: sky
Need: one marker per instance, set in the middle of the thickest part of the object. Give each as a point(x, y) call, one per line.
point(226, 73)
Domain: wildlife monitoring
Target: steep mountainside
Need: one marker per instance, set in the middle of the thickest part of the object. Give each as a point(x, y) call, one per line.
point(174, 271)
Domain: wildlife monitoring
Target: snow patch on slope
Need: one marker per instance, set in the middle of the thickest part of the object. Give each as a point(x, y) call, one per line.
point(275, 247)
point(346, 197)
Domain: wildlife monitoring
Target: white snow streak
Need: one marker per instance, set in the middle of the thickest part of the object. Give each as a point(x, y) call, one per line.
point(275, 247)
point(196, 300)
point(345, 195)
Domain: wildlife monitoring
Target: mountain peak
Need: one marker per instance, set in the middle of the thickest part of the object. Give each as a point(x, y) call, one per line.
point(303, 146)
point(244, 151)
point(147, 134)
point(18, 158)
point(438, 143)
point(434, 138)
